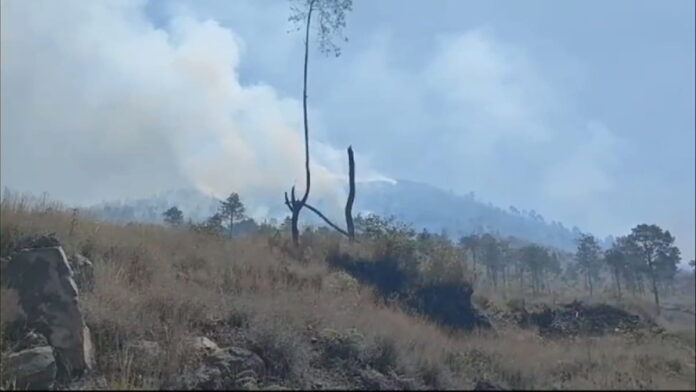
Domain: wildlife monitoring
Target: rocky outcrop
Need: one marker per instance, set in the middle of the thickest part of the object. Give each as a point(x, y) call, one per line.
point(33, 369)
point(48, 297)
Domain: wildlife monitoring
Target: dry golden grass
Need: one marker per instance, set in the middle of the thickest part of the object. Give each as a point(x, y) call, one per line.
point(164, 285)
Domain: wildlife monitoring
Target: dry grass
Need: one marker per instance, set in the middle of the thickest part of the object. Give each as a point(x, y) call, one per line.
point(309, 323)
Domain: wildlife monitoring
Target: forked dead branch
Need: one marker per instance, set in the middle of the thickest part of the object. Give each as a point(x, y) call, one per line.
point(331, 19)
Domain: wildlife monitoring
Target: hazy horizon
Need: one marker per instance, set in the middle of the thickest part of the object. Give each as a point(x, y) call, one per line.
point(582, 111)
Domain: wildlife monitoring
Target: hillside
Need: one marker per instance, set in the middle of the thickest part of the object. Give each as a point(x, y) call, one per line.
point(422, 205)
point(434, 209)
point(170, 308)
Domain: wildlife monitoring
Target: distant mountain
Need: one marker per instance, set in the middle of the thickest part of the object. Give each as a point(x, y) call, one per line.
point(422, 205)
point(434, 209)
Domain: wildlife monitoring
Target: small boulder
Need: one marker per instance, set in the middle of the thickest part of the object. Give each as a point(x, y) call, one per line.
point(233, 360)
point(202, 345)
point(31, 339)
point(33, 369)
point(227, 368)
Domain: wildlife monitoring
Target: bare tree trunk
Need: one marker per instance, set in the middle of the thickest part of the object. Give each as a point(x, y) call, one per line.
point(351, 194)
point(654, 286)
point(295, 230)
point(297, 205)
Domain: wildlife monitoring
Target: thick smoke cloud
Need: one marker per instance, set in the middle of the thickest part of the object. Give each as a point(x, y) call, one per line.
point(98, 103)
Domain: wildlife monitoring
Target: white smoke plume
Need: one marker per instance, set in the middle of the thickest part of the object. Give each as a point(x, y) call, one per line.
point(98, 103)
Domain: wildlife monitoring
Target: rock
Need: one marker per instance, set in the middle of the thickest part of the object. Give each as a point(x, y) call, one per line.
point(10, 310)
point(227, 368)
point(32, 339)
point(234, 360)
point(206, 378)
point(483, 385)
point(84, 272)
point(246, 380)
point(202, 345)
point(33, 369)
point(374, 380)
point(4, 262)
point(39, 241)
point(48, 297)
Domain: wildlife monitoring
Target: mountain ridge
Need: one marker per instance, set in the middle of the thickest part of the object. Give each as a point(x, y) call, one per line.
point(422, 205)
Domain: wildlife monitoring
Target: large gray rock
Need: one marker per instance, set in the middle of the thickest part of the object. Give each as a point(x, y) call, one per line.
point(48, 296)
point(33, 369)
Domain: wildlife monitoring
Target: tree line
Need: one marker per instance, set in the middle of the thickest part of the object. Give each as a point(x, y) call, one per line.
point(643, 261)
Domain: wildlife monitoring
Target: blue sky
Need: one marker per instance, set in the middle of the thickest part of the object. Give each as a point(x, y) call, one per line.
point(581, 110)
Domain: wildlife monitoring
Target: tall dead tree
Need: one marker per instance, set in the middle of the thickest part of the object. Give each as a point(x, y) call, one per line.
point(331, 17)
point(351, 194)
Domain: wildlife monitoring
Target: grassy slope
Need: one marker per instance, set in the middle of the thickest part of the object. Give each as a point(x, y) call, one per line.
point(312, 326)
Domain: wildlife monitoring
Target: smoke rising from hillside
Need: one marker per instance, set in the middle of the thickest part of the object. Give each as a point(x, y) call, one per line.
point(99, 104)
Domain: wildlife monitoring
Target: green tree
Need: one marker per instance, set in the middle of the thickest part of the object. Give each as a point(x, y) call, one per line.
point(214, 224)
point(617, 260)
point(553, 266)
point(588, 259)
point(470, 243)
point(491, 256)
point(656, 252)
point(173, 216)
point(507, 258)
point(232, 209)
point(535, 259)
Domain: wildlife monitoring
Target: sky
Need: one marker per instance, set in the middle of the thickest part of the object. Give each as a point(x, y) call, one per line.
point(580, 110)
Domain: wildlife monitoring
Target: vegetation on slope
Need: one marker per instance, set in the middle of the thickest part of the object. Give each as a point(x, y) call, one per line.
point(314, 325)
